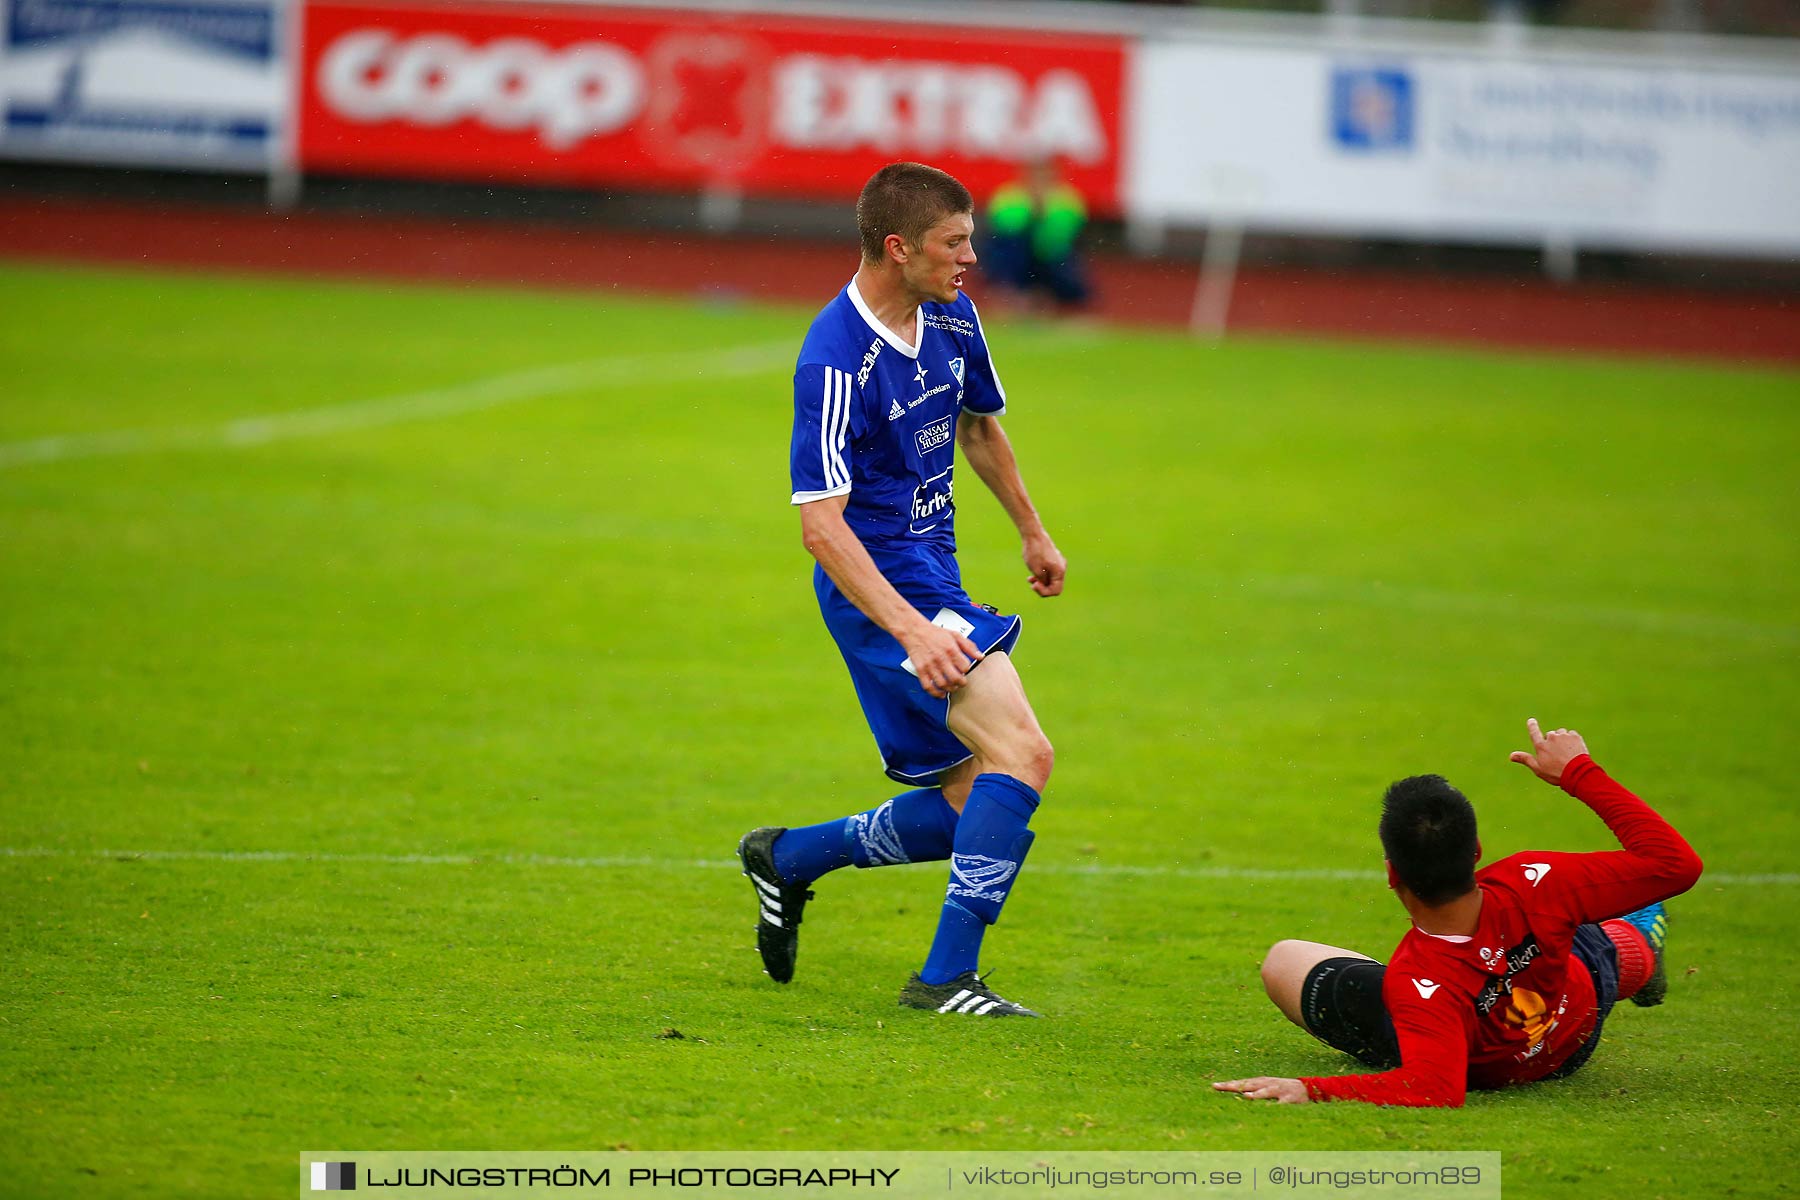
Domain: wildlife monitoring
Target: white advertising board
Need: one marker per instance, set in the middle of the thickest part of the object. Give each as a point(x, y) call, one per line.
point(1467, 146)
point(197, 84)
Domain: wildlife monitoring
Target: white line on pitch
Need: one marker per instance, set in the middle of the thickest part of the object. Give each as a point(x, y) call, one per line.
point(473, 396)
point(615, 862)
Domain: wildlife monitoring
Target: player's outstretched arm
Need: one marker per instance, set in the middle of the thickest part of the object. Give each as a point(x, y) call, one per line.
point(990, 453)
point(941, 656)
point(1655, 863)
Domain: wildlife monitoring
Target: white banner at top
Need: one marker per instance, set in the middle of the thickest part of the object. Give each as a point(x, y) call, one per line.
point(197, 84)
point(1466, 146)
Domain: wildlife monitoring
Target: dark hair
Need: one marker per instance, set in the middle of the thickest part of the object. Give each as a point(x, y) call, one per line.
point(906, 198)
point(1428, 832)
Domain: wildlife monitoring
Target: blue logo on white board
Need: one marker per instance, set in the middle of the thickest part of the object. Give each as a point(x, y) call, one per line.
point(1372, 109)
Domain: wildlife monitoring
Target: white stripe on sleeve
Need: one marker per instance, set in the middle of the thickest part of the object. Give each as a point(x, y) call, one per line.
point(825, 413)
point(841, 429)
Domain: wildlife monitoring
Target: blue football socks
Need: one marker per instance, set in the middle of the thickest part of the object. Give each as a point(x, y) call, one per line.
point(914, 826)
point(990, 845)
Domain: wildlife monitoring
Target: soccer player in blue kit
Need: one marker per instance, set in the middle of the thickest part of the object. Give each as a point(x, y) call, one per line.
point(894, 375)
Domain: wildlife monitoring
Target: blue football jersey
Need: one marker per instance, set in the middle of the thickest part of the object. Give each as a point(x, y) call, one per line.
point(875, 417)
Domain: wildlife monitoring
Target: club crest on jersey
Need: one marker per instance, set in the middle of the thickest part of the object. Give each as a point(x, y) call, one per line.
point(956, 369)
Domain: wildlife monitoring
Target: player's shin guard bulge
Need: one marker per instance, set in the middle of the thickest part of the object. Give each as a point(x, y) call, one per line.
point(916, 826)
point(980, 883)
point(991, 843)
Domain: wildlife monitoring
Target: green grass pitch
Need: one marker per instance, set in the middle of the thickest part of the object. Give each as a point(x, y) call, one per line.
point(371, 772)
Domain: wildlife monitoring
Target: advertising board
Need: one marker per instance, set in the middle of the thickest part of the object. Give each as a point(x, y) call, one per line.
point(1501, 147)
point(666, 98)
point(180, 83)
point(1462, 146)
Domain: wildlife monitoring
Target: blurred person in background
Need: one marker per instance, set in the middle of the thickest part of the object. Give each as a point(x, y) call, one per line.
point(1030, 250)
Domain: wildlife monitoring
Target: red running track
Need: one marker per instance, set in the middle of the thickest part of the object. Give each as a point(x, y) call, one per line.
point(1533, 314)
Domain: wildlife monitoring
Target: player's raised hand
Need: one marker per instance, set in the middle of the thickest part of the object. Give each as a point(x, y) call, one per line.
point(940, 657)
point(1266, 1087)
point(1047, 565)
point(1550, 752)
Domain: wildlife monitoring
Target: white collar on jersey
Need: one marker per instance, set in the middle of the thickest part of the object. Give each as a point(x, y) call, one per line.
point(888, 335)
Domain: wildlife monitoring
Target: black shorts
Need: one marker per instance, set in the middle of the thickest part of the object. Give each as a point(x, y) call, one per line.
point(1341, 1002)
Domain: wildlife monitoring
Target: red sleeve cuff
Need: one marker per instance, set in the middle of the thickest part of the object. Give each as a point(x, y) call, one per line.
point(1578, 768)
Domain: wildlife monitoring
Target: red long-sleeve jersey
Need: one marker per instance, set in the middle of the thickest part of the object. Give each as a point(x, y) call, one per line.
point(1512, 1003)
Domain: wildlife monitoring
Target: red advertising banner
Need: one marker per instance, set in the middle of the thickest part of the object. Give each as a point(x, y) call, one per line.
point(644, 98)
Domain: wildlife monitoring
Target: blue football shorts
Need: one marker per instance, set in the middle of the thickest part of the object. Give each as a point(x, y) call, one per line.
point(911, 726)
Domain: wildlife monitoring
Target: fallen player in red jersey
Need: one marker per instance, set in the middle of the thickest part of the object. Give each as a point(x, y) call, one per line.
point(1508, 972)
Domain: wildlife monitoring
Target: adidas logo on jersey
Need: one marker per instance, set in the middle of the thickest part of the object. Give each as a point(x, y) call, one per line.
point(896, 412)
point(1536, 872)
point(1426, 988)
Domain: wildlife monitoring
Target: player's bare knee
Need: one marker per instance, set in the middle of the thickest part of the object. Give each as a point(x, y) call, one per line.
point(1284, 970)
point(1028, 757)
point(1041, 760)
point(1276, 962)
